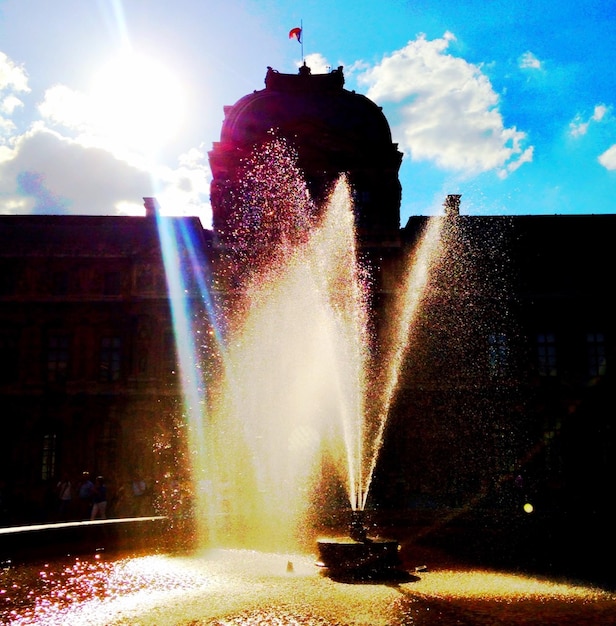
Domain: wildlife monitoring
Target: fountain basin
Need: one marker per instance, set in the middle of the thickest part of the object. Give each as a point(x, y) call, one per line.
point(19, 544)
point(347, 555)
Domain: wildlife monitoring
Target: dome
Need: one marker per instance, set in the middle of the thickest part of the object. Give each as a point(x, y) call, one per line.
point(300, 104)
point(333, 130)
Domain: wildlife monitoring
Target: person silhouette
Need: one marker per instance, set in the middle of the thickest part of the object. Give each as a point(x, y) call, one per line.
point(64, 493)
point(99, 499)
point(85, 494)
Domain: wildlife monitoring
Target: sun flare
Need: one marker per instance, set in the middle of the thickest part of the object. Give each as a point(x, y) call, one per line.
point(138, 103)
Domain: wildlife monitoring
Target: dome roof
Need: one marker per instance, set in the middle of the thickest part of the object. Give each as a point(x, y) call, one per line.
point(298, 105)
point(333, 130)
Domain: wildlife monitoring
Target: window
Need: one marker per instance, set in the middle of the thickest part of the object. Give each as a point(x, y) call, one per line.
point(170, 355)
point(57, 357)
point(106, 446)
point(498, 353)
point(110, 359)
point(48, 460)
point(597, 362)
point(546, 354)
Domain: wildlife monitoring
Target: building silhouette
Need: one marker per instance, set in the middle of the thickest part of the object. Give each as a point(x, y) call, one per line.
point(505, 396)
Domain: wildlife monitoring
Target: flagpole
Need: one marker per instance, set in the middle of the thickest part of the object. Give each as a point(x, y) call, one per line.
point(298, 33)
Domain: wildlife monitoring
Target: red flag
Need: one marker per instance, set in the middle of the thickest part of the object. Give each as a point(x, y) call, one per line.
point(296, 33)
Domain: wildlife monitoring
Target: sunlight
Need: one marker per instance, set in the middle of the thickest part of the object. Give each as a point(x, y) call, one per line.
point(138, 103)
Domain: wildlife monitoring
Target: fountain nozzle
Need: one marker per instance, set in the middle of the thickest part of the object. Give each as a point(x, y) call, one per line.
point(357, 530)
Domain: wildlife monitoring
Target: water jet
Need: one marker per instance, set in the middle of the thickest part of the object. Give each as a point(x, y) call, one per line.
point(297, 417)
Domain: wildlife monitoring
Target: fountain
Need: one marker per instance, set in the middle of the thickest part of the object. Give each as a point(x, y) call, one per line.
point(289, 439)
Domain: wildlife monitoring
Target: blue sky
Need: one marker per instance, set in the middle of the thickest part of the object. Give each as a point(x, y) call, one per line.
point(510, 104)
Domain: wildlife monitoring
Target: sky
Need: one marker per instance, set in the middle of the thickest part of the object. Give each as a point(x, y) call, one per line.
point(510, 104)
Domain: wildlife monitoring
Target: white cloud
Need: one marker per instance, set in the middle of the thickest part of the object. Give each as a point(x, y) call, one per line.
point(579, 126)
point(448, 111)
point(46, 172)
point(65, 107)
point(599, 112)
point(12, 77)
point(185, 190)
point(512, 166)
point(317, 63)
point(608, 158)
point(529, 61)
point(9, 104)
point(7, 128)
point(61, 165)
point(57, 175)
